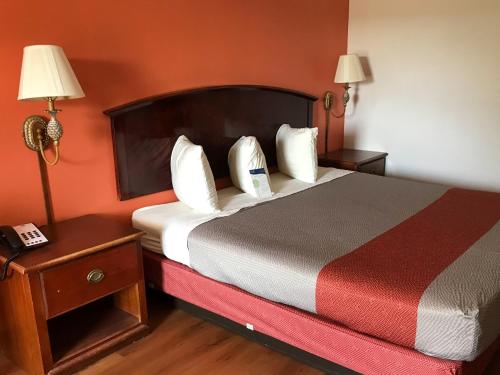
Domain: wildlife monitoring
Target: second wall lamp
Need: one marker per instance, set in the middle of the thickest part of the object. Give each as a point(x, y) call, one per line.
point(349, 70)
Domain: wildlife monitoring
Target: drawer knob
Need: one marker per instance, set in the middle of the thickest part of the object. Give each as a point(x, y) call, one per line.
point(95, 276)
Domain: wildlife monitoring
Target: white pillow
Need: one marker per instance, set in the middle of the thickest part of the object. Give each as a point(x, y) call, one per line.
point(296, 152)
point(244, 155)
point(192, 177)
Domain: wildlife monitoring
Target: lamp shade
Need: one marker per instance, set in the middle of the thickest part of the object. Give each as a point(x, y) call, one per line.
point(46, 73)
point(349, 69)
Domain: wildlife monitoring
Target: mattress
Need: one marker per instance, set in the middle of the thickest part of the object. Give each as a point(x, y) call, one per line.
point(167, 226)
point(414, 264)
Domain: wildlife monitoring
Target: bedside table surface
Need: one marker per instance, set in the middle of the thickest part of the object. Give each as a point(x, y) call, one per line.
point(353, 156)
point(72, 239)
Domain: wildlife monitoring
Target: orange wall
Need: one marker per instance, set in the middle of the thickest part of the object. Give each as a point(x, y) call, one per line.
point(125, 50)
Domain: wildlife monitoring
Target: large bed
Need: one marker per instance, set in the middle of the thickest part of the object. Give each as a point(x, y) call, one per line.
point(377, 275)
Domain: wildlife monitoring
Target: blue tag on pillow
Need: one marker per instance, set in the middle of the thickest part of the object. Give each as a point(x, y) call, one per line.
point(260, 183)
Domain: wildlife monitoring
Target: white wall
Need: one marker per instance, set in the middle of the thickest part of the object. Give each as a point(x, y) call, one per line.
point(433, 102)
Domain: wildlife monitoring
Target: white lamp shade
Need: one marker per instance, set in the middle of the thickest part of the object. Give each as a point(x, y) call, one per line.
point(46, 73)
point(349, 70)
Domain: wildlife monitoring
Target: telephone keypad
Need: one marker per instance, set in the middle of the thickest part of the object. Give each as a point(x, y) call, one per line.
point(30, 235)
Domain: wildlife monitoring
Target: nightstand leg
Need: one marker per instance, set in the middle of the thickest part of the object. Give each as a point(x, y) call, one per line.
point(23, 330)
point(133, 298)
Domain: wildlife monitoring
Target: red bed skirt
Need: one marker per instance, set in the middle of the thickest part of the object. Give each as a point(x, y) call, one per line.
point(305, 331)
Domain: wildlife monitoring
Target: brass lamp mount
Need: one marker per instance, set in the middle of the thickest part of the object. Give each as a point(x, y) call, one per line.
point(328, 100)
point(35, 132)
point(38, 132)
point(327, 103)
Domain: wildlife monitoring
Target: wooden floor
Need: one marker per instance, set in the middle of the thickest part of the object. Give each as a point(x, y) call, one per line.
point(182, 344)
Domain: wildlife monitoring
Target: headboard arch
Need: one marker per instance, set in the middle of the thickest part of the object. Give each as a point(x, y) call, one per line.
point(144, 131)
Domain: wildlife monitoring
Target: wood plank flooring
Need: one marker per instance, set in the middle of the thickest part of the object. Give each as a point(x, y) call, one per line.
point(183, 344)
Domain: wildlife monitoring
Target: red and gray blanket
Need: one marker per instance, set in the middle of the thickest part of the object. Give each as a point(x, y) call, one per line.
point(413, 263)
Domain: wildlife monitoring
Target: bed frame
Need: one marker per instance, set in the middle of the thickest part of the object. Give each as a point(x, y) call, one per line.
point(144, 133)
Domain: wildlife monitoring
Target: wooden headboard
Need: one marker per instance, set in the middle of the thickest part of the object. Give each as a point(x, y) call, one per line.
point(145, 131)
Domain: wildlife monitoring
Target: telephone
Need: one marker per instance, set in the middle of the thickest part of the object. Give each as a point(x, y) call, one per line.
point(19, 239)
point(22, 237)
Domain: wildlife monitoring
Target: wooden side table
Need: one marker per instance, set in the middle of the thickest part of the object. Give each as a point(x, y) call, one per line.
point(66, 304)
point(372, 162)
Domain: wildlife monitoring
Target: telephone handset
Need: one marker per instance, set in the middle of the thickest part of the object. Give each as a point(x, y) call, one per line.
point(19, 239)
point(10, 239)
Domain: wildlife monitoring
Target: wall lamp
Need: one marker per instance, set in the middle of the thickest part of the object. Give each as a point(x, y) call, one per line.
point(46, 75)
point(349, 70)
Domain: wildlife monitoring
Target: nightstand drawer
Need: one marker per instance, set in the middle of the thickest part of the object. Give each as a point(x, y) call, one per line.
point(81, 281)
point(374, 167)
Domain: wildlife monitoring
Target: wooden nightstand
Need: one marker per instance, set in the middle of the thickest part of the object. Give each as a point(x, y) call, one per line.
point(72, 301)
point(372, 162)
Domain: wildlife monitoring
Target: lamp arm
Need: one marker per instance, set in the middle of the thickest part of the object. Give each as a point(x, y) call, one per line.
point(329, 99)
point(42, 152)
point(338, 116)
point(54, 131)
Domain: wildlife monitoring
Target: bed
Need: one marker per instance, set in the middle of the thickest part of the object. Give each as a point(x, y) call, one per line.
point(345, 303)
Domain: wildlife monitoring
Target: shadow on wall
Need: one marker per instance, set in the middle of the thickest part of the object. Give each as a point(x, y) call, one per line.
point(367, 69)
point(369, 79)
point(350, 132)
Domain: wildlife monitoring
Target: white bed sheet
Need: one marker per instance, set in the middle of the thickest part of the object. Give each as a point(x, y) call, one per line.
point(167, 226)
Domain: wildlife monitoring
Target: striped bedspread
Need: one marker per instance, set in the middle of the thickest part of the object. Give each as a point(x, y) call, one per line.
point(413, 263)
